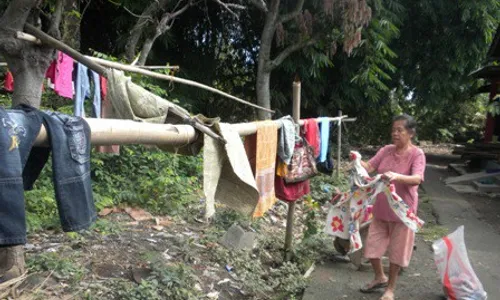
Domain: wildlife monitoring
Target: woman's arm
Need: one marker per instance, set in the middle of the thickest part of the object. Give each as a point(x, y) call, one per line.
point(367, 167)
point(404, 179)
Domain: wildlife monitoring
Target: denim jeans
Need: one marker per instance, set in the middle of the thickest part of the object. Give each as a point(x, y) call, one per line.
point(19, 129)
point(20, 163)
point(69, 138)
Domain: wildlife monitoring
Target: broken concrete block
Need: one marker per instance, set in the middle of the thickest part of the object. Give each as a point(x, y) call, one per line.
point(237, 238)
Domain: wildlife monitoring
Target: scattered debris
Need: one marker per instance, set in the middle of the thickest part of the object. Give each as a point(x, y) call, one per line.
point(138, 214)
point(309, 271)
point(223, 281)
point(213, 295)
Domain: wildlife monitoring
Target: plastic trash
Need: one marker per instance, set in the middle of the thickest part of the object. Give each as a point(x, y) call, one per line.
point(454, 268)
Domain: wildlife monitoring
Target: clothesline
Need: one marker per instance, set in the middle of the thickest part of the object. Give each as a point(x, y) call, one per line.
point(114, 131)
point(37, 36)
point(4, 64)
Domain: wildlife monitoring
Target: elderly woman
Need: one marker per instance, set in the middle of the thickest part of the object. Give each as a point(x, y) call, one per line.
point(403, 164)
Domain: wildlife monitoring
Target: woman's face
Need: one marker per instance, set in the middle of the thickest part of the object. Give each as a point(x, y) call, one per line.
point(400, 135)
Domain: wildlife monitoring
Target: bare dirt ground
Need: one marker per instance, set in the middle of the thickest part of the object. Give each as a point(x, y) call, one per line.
point(119, 254)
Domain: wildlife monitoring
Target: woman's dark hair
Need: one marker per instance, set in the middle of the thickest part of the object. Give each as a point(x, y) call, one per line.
point(410, 123)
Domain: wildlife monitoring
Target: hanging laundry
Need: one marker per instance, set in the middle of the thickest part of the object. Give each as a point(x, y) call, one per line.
point(9, 82)
point(328, 165)
point(286, 142)
point(324, 125)
point(19, 128)
point(97, 94)
point(133, 102)
point(281, 168)
point(344, 217)
point(82, 89)
point(69, 141)
point(227, 174)
point(60, 73)
point(261, 149)
point(290, 191)
point(311, 134)
point(106, 112)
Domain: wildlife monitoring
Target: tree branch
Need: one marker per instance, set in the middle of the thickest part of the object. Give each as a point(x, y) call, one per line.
point(260, 4)
point(230, 6)
point(297, 11)
point(16, 14)
point(56, 19)
point(165, 24)
point(138, 29)
point(289, 50)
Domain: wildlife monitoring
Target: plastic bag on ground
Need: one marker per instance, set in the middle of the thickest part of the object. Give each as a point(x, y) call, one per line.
point(456, 273)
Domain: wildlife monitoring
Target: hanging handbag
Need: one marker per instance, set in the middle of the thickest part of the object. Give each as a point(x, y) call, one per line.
point(303, 164)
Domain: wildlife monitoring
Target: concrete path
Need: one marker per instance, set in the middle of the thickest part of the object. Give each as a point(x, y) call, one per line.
point(481, 240)
point(335, 280)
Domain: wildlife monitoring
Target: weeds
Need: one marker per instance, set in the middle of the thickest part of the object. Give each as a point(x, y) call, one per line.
point(63, 268)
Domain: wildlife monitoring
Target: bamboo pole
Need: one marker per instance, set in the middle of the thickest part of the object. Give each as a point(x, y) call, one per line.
point(339, 145)
point(126, 132)
point(159, 67)
point(115, 131)
point(291, 205)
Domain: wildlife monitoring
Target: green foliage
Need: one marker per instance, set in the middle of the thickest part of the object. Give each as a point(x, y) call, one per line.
point(165, 282)
point(260, 281)
point(63, 268)
point(160, 182)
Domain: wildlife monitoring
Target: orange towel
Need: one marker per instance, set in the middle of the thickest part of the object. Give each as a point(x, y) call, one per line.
point(261, 150)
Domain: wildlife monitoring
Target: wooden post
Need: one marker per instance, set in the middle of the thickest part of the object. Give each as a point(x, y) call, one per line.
point(291, 205)
point(339, 143)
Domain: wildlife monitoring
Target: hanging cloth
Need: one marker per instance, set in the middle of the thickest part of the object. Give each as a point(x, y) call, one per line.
point(60, 73)
point(261, 149)
point(344, 217)
point(82, 89)
point(311, 134)
point(324, 125)
point(9, 82)
point(227, 174)
point(106, 112)
point(96, 104)
point(286, 142)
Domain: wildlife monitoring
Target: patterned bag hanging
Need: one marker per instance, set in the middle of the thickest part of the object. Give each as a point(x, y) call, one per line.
point(303, 164)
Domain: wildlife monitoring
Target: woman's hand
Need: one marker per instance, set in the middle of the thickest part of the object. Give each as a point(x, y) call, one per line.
point(391, 176)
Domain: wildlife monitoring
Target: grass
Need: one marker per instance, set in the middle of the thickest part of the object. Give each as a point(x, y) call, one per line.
point(432, 230)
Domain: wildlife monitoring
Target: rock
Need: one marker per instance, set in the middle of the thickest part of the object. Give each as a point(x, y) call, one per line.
point(213, 295)
point(139, 274)
point(237, 238)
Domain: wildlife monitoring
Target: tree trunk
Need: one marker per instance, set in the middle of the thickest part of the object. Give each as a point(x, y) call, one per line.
point(263, 93)
point(71, 24)
point(27, 61)
point(264, 71)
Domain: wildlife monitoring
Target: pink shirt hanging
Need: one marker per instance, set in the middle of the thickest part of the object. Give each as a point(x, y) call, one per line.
point(60, 73)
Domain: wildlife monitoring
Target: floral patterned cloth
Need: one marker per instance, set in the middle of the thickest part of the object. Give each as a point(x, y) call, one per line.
point(353, 207)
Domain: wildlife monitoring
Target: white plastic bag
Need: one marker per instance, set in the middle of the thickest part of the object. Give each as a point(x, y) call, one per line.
point(458, 279)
